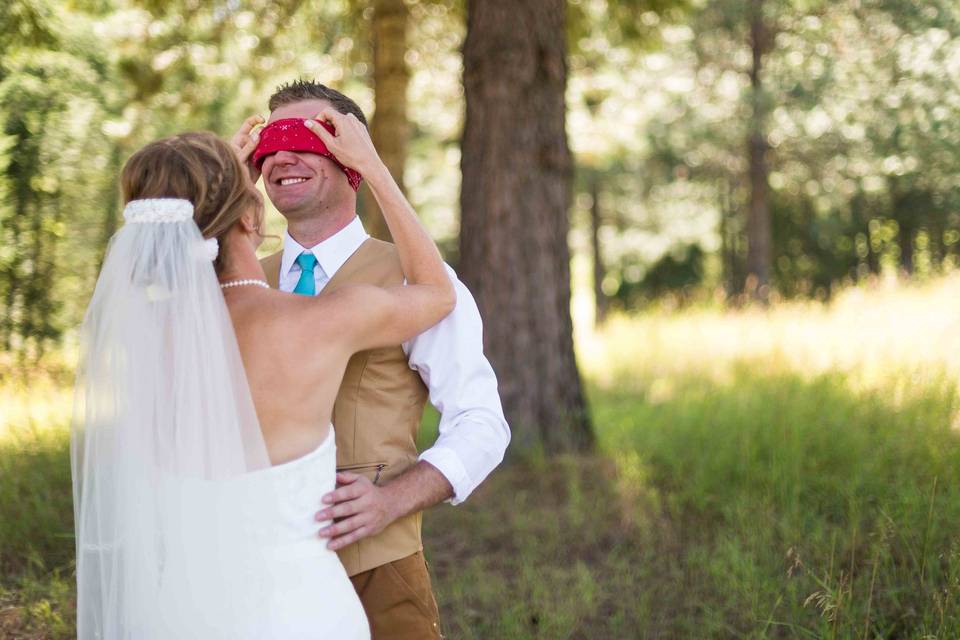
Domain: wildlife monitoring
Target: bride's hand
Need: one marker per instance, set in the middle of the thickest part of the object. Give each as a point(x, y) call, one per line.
point(244, 141)
point(350, 142)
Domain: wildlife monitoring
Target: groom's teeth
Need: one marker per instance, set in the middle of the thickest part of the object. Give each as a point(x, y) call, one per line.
point(287, 181)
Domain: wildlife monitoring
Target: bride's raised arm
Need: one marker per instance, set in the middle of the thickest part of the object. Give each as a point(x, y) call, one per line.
point(384, 316)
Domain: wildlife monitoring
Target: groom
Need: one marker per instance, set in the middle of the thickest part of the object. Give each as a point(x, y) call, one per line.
point(383, 485)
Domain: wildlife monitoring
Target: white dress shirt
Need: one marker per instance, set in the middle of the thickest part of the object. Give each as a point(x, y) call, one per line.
point(449, 358)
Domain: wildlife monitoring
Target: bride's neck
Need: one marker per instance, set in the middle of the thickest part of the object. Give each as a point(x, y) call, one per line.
point(241, 259)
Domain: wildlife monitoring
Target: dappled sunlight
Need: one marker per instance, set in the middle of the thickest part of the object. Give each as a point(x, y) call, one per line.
point(41, 406)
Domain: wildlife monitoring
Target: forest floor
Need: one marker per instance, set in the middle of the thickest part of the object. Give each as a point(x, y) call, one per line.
point(791, 472)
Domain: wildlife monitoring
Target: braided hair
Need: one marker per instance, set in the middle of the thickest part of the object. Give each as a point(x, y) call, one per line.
point(201, 168)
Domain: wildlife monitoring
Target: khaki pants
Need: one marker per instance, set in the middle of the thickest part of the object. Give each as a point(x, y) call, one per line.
point(399, 601)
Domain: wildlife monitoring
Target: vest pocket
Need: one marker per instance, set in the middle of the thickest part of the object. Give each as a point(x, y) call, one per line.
point(371, 470)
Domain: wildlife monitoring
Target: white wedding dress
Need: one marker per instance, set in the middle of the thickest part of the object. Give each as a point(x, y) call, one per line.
point(287, 584)
point(184, 530)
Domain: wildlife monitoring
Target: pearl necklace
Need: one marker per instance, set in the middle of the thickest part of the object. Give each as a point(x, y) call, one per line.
point(240, 283)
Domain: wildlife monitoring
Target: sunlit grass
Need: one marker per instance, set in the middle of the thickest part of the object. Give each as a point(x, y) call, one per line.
point(873, 334)
point(41, 405)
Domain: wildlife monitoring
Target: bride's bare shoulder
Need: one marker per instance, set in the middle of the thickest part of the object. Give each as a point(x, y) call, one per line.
point(334, 307)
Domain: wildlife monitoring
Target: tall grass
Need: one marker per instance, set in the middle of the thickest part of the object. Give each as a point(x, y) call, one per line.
point(36, 508)
point(791, 472)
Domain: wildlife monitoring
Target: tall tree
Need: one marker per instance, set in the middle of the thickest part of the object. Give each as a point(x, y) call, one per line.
point(515, 197)
point(390, 128)
point(759, 250)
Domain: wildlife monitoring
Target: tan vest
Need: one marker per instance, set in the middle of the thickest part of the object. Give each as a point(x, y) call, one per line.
point(378, 409)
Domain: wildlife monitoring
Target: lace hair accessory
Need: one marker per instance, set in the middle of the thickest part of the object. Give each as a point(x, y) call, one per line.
point(158, 210)
point(167, 210)
point(290, 134)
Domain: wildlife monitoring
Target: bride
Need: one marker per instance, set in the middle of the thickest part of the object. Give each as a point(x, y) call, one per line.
point(198, 457)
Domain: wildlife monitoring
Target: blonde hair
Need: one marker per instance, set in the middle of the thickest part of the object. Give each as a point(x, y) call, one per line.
point(201, 168)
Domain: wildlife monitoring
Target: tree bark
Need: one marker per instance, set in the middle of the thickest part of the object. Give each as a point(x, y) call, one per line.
point(758, 220)
point(515, 199)
point(389, 127)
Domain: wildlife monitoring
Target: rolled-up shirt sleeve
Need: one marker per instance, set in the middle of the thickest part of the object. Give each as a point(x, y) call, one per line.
point(473, 434)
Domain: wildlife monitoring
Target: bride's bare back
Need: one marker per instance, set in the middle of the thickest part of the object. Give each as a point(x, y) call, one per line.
point(294, 361)
point(295, 349)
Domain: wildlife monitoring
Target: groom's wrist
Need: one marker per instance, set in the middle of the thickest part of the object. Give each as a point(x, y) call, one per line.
point(394, 494)
point(418, 488)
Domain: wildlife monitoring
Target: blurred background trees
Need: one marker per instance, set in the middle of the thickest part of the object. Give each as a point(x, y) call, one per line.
point(720, 150)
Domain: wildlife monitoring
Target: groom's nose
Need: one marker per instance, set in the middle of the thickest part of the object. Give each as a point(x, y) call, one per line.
point(285, 157)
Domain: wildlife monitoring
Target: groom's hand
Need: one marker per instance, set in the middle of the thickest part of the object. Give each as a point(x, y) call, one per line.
point(365, 509)
point(360, 508)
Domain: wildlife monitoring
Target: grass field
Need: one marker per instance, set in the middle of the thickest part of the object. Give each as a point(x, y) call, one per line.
point(782, 473)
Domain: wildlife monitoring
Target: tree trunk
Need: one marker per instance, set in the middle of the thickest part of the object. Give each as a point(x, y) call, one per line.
point(758, 220)
point(599, 269)
point(389, 128)
point(862, 214)
point(515, 199)
point(728, 241)
point(903, 213)
point(905, 239)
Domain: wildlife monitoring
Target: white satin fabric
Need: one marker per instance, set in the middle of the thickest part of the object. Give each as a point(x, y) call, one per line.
point(288, 584)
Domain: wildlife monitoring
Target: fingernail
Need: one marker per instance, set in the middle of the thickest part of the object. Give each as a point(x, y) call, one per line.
point(327, 500)
point(255, 136)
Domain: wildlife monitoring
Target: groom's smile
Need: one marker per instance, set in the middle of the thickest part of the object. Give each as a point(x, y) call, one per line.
point(295, 179)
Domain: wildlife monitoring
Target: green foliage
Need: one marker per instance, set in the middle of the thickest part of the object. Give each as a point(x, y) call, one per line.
point(84, 84)
point(858, 108)
point(51, 107)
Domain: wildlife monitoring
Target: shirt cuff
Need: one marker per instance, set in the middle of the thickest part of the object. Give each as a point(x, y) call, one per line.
point(448, 463)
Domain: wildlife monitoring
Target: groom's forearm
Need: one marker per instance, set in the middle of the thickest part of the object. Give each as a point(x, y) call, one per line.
point(418, 488)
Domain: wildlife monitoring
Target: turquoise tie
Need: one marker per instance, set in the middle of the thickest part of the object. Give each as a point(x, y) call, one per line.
point(306, 286)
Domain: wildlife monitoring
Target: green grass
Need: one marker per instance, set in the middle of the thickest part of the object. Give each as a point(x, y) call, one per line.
point(737, 491)
point(770, 507)
point(36, 516)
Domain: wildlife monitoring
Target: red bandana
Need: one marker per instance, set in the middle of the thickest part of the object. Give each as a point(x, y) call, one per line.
point(290, 134)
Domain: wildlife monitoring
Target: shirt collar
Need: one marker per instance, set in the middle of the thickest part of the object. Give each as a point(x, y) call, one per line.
point(331, 253)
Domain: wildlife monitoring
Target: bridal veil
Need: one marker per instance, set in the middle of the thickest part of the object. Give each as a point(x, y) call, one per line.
point(162, 404)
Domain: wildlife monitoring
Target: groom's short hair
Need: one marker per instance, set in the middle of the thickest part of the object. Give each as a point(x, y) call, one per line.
point(300, 90)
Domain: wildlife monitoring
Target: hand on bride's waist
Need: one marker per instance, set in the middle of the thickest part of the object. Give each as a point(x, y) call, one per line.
point(362, 509)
